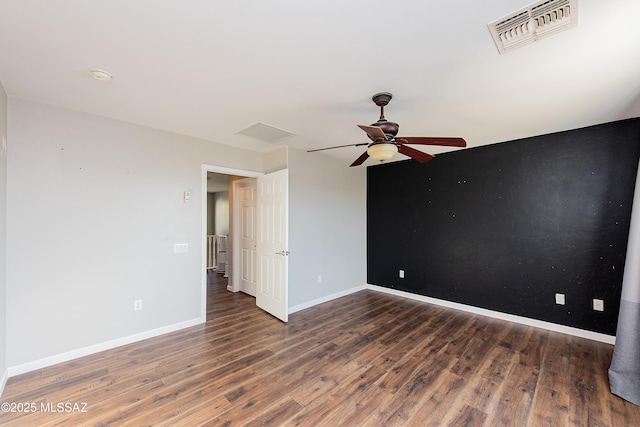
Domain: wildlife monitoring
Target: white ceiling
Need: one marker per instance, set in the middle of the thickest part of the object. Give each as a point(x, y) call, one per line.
point(211, 68)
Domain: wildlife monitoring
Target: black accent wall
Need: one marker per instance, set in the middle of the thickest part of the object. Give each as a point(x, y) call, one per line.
point(507, 226)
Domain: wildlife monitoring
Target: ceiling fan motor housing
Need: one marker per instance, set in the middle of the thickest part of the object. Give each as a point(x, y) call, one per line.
point(390, 129)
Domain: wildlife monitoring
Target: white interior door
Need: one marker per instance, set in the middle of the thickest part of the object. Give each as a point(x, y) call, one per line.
point(246, 193)
point(272, 242)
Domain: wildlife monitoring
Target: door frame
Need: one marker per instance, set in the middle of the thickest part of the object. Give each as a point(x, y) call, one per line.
point(203, 268)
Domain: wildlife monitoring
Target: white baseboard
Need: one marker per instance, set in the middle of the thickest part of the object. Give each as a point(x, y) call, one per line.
point(3, 380)
point(326, 299)
point(74, 354)
point(595, 336)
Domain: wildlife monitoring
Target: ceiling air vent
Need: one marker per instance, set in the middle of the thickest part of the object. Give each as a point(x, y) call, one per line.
point(533, 22)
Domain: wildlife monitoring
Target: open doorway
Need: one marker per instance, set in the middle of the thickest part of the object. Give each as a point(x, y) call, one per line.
point(217, 230)
point(270, 245)
point(218, 196)
point(231, 230)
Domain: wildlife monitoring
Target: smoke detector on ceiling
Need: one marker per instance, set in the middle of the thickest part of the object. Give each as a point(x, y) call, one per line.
point(533, 22)
point(101, 75)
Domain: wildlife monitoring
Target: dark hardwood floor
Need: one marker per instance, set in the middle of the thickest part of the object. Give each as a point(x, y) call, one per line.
point(367, 359)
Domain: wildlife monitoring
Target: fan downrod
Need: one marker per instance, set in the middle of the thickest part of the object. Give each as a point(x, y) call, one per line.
point(389, 128)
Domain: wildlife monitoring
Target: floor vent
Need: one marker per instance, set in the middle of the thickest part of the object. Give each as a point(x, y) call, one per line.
point(533, 22)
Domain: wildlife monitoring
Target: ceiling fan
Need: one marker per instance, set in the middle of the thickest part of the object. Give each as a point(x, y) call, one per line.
point(384, 143)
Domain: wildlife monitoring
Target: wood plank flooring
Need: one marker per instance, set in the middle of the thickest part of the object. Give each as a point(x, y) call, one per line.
point(367, 359)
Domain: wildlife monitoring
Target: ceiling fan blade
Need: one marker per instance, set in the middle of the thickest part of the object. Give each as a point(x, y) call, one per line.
point(433, 140)
point(339, 146)
point(360, 160)
point(414, 154)
point(374, 132)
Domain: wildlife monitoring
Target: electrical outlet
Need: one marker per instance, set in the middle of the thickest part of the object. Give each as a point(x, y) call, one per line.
point(598, 304)
point(137, 305)
point(560, 299)
point(401, 274)
point(319, 278)
point(186, 197)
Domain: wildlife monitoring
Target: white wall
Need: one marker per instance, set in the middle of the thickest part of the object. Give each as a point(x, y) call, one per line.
point(94, 209)
point(327, 226)
point(221, 211)
point(218, 213)
point(3, 238)
point(211, 228)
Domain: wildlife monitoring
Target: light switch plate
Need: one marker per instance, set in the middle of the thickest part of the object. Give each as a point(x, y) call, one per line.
point(180, 247)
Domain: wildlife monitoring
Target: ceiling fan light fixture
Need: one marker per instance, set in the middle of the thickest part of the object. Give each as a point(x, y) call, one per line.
point(382, 151)
point(385, 144)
